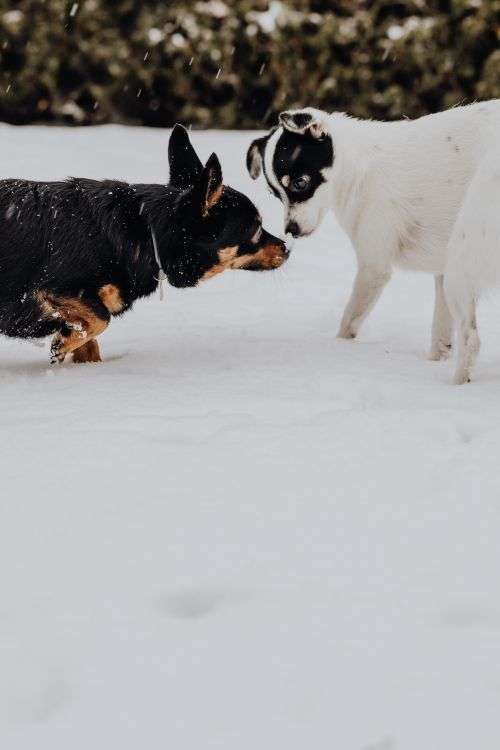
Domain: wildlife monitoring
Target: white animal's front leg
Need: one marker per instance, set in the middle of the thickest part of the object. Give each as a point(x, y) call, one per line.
point(368, 286)
point(442, 325)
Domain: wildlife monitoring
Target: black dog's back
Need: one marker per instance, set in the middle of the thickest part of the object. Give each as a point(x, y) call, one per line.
point(25, 231)
point(67, 238)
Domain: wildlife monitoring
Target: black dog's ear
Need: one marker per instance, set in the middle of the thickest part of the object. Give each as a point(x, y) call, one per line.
point(185, 167)
point(209, 188)
point(255, 156)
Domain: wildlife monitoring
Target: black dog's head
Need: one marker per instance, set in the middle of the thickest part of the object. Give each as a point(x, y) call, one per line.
point(213, 227)
point(296, 157)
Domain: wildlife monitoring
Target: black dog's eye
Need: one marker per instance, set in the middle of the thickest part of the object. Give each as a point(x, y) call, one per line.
point(300, 183)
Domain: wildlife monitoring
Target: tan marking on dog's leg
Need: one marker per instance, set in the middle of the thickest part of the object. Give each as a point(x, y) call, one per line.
point(226, 256)
point(83, 332)
point(89, 352)
point(110, 296)
point(82, 321)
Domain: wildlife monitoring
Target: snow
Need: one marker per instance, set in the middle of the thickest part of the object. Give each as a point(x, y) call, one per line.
point(238, 531)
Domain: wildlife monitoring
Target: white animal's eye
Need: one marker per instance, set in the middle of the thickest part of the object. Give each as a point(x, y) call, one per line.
point(300, 183)
point(257, 236)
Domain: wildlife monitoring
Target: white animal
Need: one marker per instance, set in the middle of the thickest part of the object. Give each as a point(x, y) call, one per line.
point(421, 194)
point(473, 262)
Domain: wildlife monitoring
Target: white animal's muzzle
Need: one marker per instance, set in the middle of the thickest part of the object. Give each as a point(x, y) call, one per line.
point(289, 241)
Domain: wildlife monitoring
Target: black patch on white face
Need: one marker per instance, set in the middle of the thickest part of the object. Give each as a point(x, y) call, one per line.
point(298, 120)
point(301, 155)
point(269, 183)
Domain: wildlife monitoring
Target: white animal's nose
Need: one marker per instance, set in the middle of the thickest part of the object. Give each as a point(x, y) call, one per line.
point(292, 228)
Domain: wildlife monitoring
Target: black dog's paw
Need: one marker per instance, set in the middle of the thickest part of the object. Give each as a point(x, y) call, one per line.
point(57, 355)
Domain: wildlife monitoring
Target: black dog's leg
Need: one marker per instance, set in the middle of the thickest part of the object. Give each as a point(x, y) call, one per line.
point(89, 352)
point(82, 320)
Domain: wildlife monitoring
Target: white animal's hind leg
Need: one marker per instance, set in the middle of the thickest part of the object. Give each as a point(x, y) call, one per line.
point(463, 307)
point(442, 325)
point(468, 346)
point(473, 258)
point(367, 288)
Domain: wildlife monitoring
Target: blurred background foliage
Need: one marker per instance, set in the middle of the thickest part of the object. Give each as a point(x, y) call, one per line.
point(236, 63)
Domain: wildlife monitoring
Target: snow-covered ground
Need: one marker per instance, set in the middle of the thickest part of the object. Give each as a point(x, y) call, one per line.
point(238, 532)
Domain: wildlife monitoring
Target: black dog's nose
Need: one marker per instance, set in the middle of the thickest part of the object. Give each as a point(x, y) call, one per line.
point(292, 228)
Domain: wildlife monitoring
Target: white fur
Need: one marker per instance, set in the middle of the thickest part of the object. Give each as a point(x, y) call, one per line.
point(397, 189)
point(473, 261)
point(268, 166)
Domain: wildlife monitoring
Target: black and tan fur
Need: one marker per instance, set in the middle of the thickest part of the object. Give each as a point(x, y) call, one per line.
point(73, 254)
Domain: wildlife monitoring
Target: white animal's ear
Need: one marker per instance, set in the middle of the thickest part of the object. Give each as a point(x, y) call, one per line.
point(305, 121)
point(255, 155)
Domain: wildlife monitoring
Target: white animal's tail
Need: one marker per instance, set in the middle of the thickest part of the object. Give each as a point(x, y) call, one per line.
point(473, 259)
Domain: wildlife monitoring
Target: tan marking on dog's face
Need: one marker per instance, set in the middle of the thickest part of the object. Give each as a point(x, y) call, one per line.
point(285, 180)
point(226, 256)
point(110, 296)
point(267, 257)
point(214, 271)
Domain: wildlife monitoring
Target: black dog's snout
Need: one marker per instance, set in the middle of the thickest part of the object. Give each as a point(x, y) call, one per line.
point(292, 228)
point(282, 244)
point(286, 250)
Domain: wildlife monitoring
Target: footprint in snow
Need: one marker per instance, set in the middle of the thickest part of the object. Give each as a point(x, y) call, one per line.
point(466, 616)
point(195, 604)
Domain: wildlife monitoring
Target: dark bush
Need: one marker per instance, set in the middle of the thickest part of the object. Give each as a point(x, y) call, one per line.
point(236, 63)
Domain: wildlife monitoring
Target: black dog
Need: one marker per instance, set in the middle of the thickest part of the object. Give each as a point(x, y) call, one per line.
point(74, 253)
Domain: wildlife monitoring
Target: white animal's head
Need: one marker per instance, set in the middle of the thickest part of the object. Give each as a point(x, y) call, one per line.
point(296, 157)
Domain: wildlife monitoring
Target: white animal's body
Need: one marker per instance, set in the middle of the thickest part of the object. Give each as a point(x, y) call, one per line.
point(397, 187)
point(398, 190)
